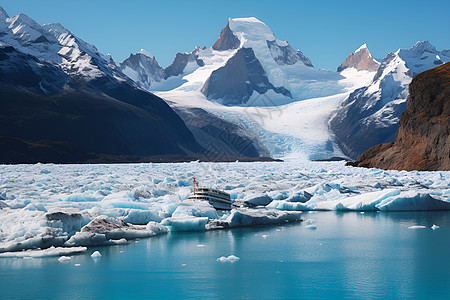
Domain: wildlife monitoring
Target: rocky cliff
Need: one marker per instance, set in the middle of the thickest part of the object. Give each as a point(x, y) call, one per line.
point(423, 137)
point(361, 59)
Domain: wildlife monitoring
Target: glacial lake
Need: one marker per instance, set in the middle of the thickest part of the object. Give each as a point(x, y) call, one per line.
point(350, 255)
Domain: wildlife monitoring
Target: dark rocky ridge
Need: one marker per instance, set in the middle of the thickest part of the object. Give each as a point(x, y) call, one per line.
point(423, 137)
point(235, 82)
point(180, 62)
point(147, 68)
point(219, 138)
point(44, 108)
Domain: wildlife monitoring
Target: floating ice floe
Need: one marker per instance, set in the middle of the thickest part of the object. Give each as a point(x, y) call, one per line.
point(64, 258)
point(107, 230)
point(231, 259)
point(417, 227)
point(435, 227)
point(96, 254)
point(52, 251)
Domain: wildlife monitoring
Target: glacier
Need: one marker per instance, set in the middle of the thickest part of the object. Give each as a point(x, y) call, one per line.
point(49, 208)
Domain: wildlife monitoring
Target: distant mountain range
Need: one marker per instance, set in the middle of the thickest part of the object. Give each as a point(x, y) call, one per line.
point(370, 115)
point(247, 96)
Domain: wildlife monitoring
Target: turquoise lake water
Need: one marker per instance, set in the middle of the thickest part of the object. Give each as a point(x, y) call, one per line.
point(349, 255)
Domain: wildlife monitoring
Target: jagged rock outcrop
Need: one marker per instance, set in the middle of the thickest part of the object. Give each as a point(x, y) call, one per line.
point(181, 61)
point(143, 69)
point(361, 59)
point(423, 137)
point(227, 40)
point(235, 82)
point(284, 54)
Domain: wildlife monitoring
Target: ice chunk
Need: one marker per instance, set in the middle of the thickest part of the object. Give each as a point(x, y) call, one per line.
point(286, 205)
point(3, 205)
point(52, 251)
point(96, 254)
point(69, 219)
point(192, 208)
point(435, 227)
point(311, 226)
point(186, 223)
point(299, 196)
point(34, 207)
point(64, 258)
point(310, 221)
point(417, 227)
point(255, 199)
point(413, 200)
point(117, 242)
point(141, 217)
point(103, 228)
point(363, 202)
point(231, 258)
point(252, 217)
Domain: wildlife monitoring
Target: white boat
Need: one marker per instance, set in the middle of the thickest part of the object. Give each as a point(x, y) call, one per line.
point(218, 199)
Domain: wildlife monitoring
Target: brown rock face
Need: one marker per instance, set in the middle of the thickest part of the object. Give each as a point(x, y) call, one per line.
point(423, 137)
point(360, 60)
point(227, 40)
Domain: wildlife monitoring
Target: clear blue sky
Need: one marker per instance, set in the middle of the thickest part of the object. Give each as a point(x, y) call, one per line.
point(325, 31)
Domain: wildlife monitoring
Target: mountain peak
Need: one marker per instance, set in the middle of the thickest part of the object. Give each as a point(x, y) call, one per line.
point(251, 29)
point(146, 53)
point(227, 40)
point(24, 19)
point(3, 14)
point(361, 59)
point(362, 48)
point(418, 49)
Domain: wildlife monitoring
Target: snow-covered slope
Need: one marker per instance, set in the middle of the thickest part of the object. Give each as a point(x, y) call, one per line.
point(57, 89)
point(265, 64)
point(370, 115)
point(55, 43)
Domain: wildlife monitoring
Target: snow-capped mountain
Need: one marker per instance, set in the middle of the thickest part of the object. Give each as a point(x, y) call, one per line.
point(245, 62)
point(143, 68)
point(361, 60)
point(370, 115)
point(55, 43)
point(57, 89)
